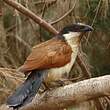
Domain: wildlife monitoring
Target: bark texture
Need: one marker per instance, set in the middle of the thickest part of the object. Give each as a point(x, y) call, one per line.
point(71, 94)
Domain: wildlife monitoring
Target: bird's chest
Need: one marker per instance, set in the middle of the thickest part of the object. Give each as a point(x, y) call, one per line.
point(55, 74)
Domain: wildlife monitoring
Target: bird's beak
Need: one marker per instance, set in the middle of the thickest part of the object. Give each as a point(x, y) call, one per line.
point(87, 28)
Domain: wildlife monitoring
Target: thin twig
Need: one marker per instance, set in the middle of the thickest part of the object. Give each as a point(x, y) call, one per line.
point(97, 10)
point(42, 15)
point(83, 66)
point(43, 2)
point(22, 41)
point(15, 25)
point(31, 24)
point(31, 15)
point(65, 15)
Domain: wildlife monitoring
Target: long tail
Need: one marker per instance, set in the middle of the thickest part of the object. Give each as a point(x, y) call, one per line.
point(27, 90)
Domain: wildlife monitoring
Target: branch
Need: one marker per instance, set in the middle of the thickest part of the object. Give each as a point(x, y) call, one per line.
point(65, 15)
point(97, 11)
point(66, 96)
point(72, 94)
point(43, 2)
point(31, 15)
point(83, 66)
point(11, 28)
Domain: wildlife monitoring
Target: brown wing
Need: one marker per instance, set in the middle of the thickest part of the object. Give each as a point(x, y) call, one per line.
point(50, 54)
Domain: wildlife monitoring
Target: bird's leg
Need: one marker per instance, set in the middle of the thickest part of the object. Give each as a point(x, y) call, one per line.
point(64, 81)
point(53, 85)
point(46, 86)
point(60, 82)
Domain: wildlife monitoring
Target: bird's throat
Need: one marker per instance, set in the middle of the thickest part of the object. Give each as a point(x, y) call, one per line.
point(73, 39)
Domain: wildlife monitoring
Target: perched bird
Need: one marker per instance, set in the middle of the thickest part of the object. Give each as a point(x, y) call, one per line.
point(49, 62)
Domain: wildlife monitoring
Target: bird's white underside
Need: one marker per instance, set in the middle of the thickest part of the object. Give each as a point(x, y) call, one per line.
point(56, 73)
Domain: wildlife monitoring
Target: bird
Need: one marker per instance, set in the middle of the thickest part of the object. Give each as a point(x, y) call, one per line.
point(49, 62)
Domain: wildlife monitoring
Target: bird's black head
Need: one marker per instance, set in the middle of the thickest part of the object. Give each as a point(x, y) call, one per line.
point(78, 27)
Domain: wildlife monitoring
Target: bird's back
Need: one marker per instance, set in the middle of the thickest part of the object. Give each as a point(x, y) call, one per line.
point(52, 53)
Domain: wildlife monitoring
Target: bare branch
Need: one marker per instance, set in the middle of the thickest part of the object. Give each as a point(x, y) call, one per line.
point(65, 15)
point(14, 26)
point(97, 11)
point(71, 94)
point(68, 95)
point(31, 15)
point(43, 2)
point(83, 66)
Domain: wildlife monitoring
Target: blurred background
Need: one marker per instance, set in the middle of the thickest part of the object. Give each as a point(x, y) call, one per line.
point(18, 33)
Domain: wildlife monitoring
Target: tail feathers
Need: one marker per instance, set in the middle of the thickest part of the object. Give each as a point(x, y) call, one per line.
point(27, 90)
